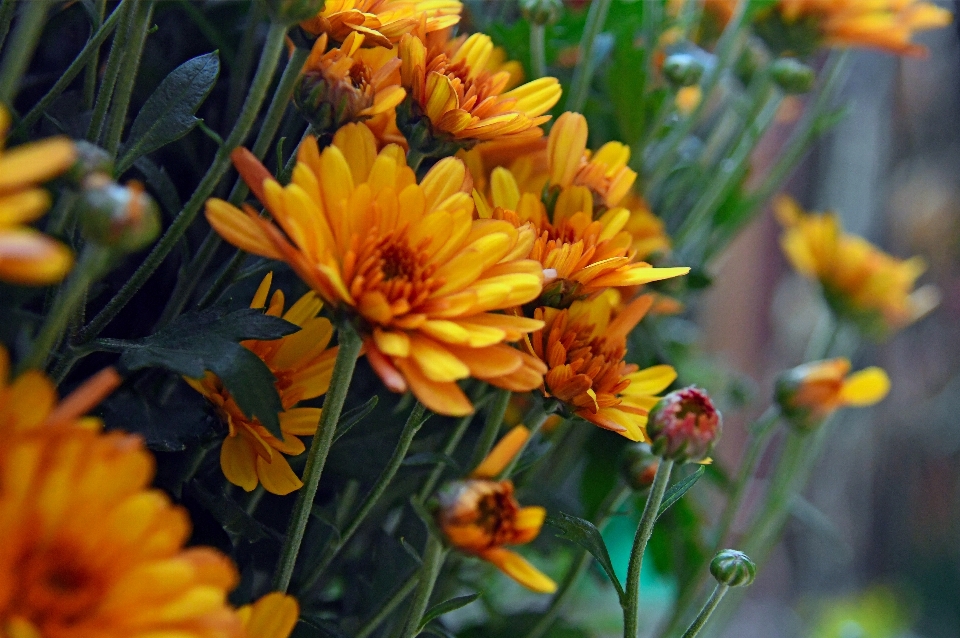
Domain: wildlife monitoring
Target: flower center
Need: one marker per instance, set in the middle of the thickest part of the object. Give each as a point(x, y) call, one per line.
point(359, 75)
point(56, 588)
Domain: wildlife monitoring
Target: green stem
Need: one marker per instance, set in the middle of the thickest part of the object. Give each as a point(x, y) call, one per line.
point(583, 72)
point(221, 164)
point(456, 434)
point(255, 499)
point(534, 420)
point(133, 51)
point(631, 598)
point(349, 349)
point(491, 426)
point(707, 610)
point(26, 35)
point(90, 267)
point(386, 609)
point(7, 9)
point(126, 12)
point(538, 53)
point(433, 556)
point(90, 72)
point(410, 429)
point(415, 158)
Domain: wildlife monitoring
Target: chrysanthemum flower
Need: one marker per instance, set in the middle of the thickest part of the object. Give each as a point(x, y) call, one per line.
point(464, 103)
point(347, 84)
point(406, 262)
point(383, 22)
point(859, 280)
point(28, 256)
point(87, 549)
point(303, 364)
point(809, 393)
point(480, 515)
point(584, 346)
point(272, 616)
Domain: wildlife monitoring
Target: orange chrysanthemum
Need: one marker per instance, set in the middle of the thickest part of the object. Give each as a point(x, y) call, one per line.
point(480, 515)
point(26, 255)
point(303, 364)
point(809, 393)
point(406, 262)
point(383, 22)
point(87, 549)
point(450, 85)
point(583, 347)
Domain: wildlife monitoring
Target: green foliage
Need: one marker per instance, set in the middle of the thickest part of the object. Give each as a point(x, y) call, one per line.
point(445, 607)
point(586, 535)
point(677, 490)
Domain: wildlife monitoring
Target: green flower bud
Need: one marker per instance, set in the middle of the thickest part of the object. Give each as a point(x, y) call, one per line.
point(91, 160)
point(684, 425)
point(638, 465)
point(792, 76)
point(121, 217)
point(733, 568)
point(541, 12)
point(682, 69)
point(292, 11)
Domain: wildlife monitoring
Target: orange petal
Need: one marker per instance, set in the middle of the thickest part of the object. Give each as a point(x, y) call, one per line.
point(517, 568)
point(502, 453)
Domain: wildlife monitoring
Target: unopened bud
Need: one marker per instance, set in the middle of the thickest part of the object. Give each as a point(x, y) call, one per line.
point(91, 160)
point(682, 69)
point(329, 103)
point(684, 425)
point(792, 75)
point(292, 11)
point(638, 465)
point(122, 217)
point(733, 568)
point(541, 12)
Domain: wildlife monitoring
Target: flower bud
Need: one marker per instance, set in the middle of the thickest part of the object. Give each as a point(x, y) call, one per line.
point(733, 568)
point(684, 425)
point(809, 393)
point(329, 103)
point(91, 160)
point(292, 11)
point(792, 75)
point(682, 69)
point(638, 465)
point(541, 12)
point(122, 217)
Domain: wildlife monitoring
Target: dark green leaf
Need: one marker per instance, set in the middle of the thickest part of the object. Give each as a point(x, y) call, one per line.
point(445, 607)
point(168, 113)
point(318, 514)
point(676, 492)
point(351, 417)
point(316, 628)
point(208, 340)
point(411, 551)
point(586, 535)
point(161, 186)
point(231, 516)
point(437, 630)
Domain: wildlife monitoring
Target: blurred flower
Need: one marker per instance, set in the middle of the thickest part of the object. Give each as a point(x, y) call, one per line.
point(121, 217)
point(480, 515)
point(688, 98)
point(302, 364)
point(455, 101)
point(347, 84)
point(877, 612)
point(27, 256)
point(383, 22)
point(406, 262)
point(87, 549)
point(860, 281)
point(809, 393)
point(684, 426)
point(271, 616)
point(584, 346)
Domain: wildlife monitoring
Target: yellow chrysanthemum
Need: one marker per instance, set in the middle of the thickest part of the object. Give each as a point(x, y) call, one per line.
point(302, 364)
point(450, 85)
point(27, 256)
point(480, 515)
point(859, 280)
point(584, 347)
point(87, 549)
point(809, 393)
point(406, 262)
point(272, 616)
point(383, 22)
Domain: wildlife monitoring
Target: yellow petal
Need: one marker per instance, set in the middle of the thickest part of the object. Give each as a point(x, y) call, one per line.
point(651, 380)
point(276, 475)
point(35, 162)
point(517, 568)
point(28, 257)
point(273, 616)
point(866, 387)
point(237, 460)
point(300, 421)
point(502, 453)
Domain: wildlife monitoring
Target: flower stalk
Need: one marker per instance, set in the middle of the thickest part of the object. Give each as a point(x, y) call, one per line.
point(701, 620)
point(24, 41)
point(583, 73)
point(140, 26)
point(433, 556)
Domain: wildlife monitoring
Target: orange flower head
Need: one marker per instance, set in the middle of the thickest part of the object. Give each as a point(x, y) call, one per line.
point(811, 392)
point(347, 84)
point(88, 549)
point(272, 616)
point(421, 280)
point(455, 101)
point(583, 347)
point(28, 257)
point(859, 281)
point(302, 364)
point(480, 515)
point(383, 22)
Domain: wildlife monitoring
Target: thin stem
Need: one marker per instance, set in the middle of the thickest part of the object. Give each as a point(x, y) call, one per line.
point(456, 434)
point(410, 429)
point(718, 593)
point(538, 53)
point(631, 598)
point(126, 12)
point(133, 51)
point(583, 72)
point(349, 349)
point(433, 556)
point(26, 35)
point(7, 9)
point(90, 73)
point(386, 609)
point(534, 420)
point(491, 426)
point(221, 163)
point(255, 499)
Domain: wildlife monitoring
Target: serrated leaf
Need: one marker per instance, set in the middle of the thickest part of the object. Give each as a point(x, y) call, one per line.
point(209, 340)
point(168, 113)
point(351, 417)
point(676, 492)
point(586, 535)
point(445, 607)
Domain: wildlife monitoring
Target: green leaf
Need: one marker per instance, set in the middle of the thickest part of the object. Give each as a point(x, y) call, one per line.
point(209, 340)
point(161, 186)
point(234, 519)
point(676, 492)
point(168, 113)
point(437, 630)
point(351, 417)
point(586, 535)
point(445, 607)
